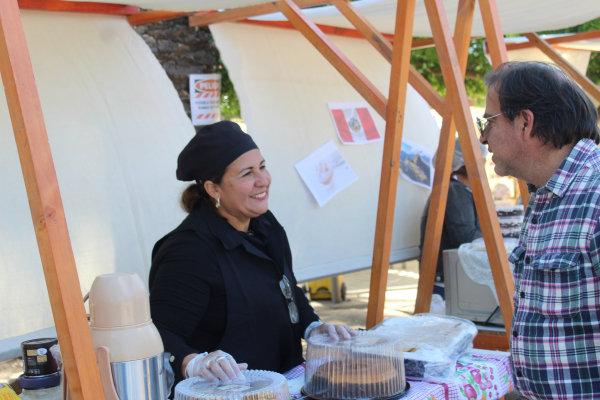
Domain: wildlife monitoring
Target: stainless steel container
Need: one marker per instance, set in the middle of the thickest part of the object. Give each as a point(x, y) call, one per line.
point(141, 379)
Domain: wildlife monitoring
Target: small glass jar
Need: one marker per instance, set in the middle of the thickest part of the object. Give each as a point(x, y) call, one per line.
point(41, 387)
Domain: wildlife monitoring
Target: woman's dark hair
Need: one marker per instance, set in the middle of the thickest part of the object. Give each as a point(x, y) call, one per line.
point(563, 113)
point(196, 192)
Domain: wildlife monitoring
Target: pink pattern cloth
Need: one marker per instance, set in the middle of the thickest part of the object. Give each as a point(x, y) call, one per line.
point(479, 376)
point(295, 372)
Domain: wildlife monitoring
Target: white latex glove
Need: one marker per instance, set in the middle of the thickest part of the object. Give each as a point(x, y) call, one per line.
point(341, 332)
point(214, 366)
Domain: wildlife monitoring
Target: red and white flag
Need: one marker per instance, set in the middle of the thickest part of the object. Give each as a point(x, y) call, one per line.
point(354, 123)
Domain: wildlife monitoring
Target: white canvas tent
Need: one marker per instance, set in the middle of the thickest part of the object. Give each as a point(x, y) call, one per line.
point(553, 16)
point(115, 125)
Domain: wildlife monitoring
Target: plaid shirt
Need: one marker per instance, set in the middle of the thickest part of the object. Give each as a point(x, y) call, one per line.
point(555, 342)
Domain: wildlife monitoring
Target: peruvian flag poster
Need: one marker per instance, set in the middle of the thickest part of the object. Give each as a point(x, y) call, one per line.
point(354, 123)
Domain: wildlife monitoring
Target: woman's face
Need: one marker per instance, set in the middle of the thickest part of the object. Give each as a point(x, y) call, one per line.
point(244, 190)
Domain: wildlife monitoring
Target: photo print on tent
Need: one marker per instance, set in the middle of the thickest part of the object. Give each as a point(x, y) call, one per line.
point(205, 98)
point(354, 123)
point(415, 164)
point(325, 172)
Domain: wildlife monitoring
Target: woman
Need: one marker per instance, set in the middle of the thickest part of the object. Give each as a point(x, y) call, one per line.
point(222, 289)
point(461, 224)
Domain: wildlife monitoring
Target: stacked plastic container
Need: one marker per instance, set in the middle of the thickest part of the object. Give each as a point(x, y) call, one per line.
point(432, 343)
point(258, 385)
point(370, 365)
point(511, 220)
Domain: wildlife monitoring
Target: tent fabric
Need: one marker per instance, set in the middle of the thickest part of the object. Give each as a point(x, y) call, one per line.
point(115, 126)
point(516, 16)
point(284, 84)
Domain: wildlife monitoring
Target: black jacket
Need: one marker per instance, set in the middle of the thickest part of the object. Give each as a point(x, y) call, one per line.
point(211, 289)
point(461, 224)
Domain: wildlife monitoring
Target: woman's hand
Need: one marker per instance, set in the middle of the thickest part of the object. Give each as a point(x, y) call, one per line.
point(337, 332)
point(214, 366)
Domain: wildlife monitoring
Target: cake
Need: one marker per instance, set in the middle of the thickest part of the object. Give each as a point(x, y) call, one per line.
point(370, 365)
point(355, 378)
point(258, 385)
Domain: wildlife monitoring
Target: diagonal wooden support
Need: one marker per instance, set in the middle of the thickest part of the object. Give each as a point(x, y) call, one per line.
point(457, 97)
point(558, 41)
point(443, 168)
point(46, 207)
point(236, 14)
point(583, 81)
point(391, 160)
point(384, 46)
point(337, 59)
point(497, 46)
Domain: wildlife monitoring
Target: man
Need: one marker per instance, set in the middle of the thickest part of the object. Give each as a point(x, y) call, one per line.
point(541, 127)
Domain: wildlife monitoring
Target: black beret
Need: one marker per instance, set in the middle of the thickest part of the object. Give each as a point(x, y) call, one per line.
point(212, 150)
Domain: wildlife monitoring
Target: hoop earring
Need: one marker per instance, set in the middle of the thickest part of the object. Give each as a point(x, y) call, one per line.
point(218, 202)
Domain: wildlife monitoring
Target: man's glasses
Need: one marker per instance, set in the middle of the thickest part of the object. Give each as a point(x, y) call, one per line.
point(286, 289)
point(482, 123)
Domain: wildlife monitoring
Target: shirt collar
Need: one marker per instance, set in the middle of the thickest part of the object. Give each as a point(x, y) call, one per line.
point(227, 233)
point(570, 167)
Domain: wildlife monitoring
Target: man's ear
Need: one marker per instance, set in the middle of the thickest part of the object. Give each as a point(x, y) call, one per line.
point(211, 189)
point(526, 123)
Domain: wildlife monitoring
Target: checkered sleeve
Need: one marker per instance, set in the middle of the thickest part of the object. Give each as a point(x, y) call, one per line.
point(595, 250)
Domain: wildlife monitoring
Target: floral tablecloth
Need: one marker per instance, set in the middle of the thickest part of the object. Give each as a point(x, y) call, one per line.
point(479, 376)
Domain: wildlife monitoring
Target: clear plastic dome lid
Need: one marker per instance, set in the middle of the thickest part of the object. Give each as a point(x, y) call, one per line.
point(369, 365)
point(361, 340)
point(258, 385)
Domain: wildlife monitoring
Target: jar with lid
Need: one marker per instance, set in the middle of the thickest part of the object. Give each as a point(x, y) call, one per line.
point(41, 387)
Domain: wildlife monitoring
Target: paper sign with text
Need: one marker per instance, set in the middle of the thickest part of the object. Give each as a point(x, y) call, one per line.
point(205, 98)
point(325, 172)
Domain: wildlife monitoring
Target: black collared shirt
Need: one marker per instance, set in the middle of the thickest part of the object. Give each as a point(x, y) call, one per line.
point(214, 288)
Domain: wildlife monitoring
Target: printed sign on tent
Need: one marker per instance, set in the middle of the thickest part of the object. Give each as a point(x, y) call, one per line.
point(205, 98)
point(354, 123)
point(415, 164)
point(325, 172)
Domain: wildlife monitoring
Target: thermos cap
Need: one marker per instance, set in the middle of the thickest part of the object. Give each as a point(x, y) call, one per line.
point(119, 300)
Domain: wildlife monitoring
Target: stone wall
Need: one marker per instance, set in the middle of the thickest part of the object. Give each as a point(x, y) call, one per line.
point(182, 50)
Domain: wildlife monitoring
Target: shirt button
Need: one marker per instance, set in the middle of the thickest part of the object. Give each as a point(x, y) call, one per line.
point(519, 374)
point(527, 260)
point(515, 333)
point(522, 295)
point(534, 220)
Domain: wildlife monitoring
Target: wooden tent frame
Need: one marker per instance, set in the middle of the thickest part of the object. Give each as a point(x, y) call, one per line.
point(44, 195)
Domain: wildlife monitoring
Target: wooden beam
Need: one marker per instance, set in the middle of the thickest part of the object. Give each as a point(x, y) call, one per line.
point(337, 59)
point(326, 29)
point(457, 97)
point(422, 43)
point(499, 55)
point(384, 47)
point(335, 30)
point(47, 213)
point(490, 341)
point(583, 81)
point(237, 14)
point(405, 13)
point(153, 16)
point(443, 168)
point(557, 40)
point(75, 6)
point(493, 31)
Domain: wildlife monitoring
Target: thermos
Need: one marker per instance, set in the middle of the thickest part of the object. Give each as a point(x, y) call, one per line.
point(127, 344)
